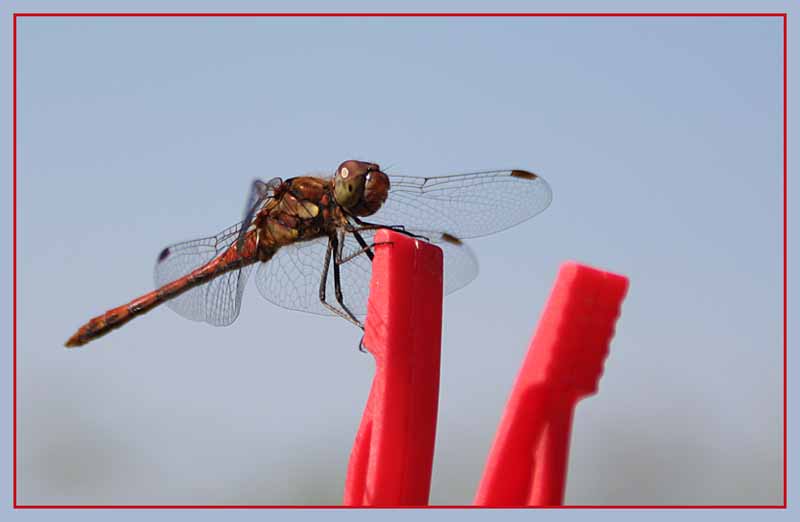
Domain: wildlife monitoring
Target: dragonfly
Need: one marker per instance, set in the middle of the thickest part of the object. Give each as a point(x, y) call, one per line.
point(312, 238)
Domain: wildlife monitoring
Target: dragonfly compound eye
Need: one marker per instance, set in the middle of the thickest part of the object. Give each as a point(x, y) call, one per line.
point(348, 187)
point(375, 193)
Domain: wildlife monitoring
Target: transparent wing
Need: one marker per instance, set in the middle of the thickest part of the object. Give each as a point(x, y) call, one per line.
point(223, 297)
point(291, 279)
point(217, 302)
point(464, 205)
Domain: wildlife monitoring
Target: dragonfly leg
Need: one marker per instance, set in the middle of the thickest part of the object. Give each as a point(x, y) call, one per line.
point(364, 225)
point(323, 284)
point(365, 249)
point(363, 244)
point(337, 286)
point(361, 251)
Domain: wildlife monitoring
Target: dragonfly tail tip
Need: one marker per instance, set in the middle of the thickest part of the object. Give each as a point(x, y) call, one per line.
point(73, 342)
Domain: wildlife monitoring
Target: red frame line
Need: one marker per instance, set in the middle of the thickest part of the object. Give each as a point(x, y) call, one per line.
point(407, 15)
point(16, 505)
point(785, 50)
point(14, 269)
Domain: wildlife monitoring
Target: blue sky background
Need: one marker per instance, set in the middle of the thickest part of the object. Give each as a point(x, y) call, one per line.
point(661, 139)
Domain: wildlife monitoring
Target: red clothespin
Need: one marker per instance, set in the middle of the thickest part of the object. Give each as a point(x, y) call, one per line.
point(391, 461)
point(527, 464)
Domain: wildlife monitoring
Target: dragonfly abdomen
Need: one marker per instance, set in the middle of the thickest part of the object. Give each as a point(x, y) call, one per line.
point(231, 259)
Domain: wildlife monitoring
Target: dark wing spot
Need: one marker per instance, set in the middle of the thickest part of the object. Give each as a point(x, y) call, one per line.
point(163, 255)
point(524, 174)
point(450, 238)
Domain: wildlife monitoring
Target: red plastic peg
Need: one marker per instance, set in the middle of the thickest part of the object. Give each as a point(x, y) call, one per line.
point(392, 457)
point(527, 465)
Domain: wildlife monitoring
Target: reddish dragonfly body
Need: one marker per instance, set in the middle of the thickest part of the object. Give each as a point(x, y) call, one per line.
point(290, 226)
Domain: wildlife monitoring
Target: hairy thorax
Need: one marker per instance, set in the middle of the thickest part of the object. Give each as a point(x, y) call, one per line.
point(302, 209)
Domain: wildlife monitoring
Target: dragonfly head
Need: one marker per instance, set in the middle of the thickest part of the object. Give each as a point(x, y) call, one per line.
point(360, 187)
